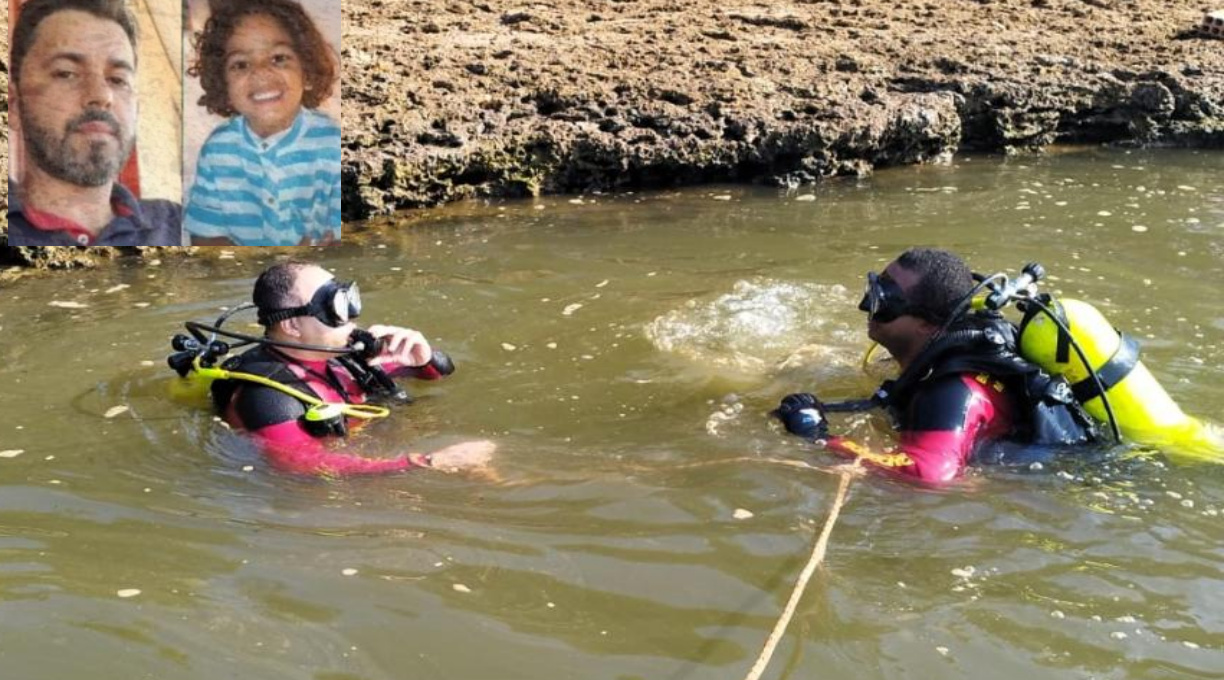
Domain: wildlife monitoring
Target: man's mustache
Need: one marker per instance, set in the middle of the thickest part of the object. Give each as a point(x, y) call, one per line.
point(94, 116)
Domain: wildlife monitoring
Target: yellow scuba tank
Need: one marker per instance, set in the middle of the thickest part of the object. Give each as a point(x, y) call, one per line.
point(1144, 412)
point(192, 388)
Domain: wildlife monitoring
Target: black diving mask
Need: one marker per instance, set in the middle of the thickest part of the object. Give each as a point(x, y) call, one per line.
point(333, 304)
point(883, 300)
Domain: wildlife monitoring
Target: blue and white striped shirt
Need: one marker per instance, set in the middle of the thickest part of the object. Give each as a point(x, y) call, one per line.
point(268, 192)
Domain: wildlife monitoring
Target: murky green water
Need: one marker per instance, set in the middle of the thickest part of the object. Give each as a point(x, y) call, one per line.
point(623, 353)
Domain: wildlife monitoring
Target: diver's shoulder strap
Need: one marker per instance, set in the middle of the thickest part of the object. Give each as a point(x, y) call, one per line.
point(260, 406)
point(258, 362)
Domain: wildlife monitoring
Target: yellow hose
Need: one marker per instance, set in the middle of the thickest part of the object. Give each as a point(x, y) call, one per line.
point(871, 350)
point(363, 411)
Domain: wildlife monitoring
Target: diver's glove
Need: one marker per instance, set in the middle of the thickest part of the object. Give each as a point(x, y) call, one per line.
point(803, 414)
point(441, 362)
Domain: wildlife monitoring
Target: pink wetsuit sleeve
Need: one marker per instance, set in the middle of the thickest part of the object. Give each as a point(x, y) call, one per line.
point(948, 421)
point(398, 370)
point(937, 445)
point(938, 456)
point(289, 447)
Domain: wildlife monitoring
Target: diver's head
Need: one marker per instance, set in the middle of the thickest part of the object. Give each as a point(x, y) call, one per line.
point(913, 298)
point(303, 303)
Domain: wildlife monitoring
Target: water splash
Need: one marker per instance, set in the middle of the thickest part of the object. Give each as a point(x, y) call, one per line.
point(759, 324)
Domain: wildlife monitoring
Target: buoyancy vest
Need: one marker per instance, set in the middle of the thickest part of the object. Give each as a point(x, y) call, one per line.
point(257, 361)
point(371, 382)
point(985, 342)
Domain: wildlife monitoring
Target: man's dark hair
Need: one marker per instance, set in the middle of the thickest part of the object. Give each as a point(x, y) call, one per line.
point(34, 11)
point(943, 281)
point(274, 287)
point(318, 65)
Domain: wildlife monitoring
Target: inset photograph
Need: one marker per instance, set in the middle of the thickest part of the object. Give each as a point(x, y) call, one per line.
point(95, 119)
point(261, 156)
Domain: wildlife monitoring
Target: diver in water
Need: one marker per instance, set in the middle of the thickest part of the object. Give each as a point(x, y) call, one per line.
point(297, 390)
point(963, 385)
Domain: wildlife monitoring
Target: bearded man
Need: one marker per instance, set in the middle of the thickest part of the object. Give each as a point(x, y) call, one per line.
point(73, 67)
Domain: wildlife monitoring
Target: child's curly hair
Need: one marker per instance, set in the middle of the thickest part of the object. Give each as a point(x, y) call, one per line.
point(318, 66)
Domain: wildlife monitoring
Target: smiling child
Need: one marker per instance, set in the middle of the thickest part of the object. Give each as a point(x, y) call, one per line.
point(269, 176)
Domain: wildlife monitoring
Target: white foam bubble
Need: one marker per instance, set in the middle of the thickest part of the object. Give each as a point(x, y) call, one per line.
point(759, 322)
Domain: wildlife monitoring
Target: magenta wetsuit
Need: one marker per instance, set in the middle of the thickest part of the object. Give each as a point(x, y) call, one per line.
point(941, 426)
point(273, 417)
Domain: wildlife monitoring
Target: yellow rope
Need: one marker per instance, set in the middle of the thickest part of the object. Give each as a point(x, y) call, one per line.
point(895, 459)
point(818, 553)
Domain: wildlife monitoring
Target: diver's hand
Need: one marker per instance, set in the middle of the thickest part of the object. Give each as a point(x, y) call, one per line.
point(803, 414)
point(402, 345)
point(474, 455)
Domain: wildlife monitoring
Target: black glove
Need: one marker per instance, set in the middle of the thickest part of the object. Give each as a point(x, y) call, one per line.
point(441, 362)
point(803, 414)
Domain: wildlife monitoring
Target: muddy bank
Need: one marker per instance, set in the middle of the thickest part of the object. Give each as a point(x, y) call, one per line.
point(446, 100)
point(452, 100)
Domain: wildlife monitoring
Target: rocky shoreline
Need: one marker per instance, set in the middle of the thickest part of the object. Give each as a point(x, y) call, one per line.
point(448, 100)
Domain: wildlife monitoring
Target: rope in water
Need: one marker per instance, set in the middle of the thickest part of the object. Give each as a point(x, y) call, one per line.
point(818, 553)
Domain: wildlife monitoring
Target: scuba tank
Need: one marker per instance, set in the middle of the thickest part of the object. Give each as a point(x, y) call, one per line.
point(193, 386)
point(1114, 378)
point(1072, 339)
